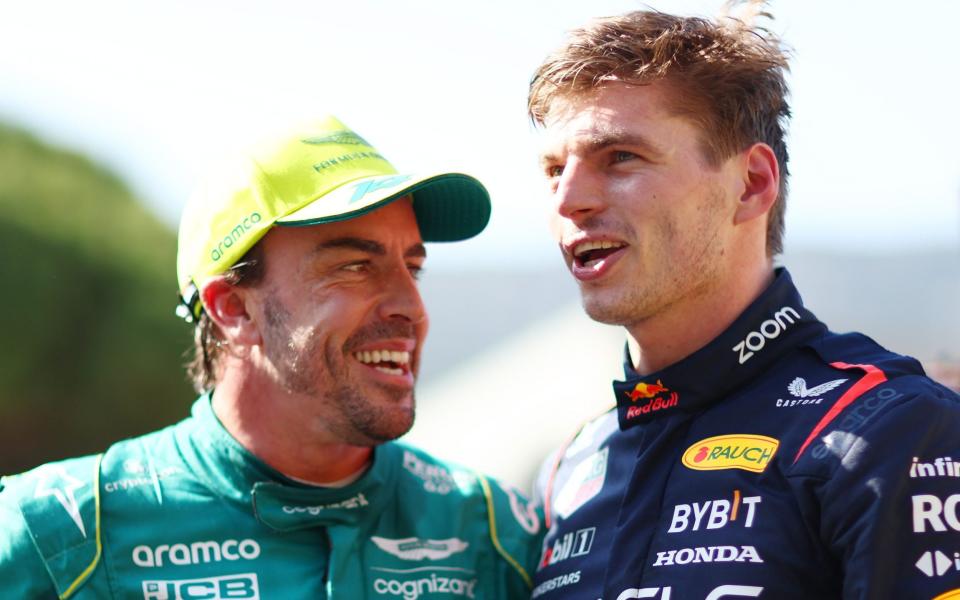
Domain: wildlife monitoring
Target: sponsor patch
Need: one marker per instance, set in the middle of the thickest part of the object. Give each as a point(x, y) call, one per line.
point(351, 503)
point(951, 595)
point(723, 591)
point(195, 553)
point(658, 397)
point(839, 441)
point(366, 187)
point(585, 482)
point(242, 586)
point(714, 514)
point(523, 511)
point(414, 584)
point(930, 513)
point(943, 466)
point(937, 563)
point(413, 548)
point(560, 581)
point(128, 483)
point(798, 388)
point(769, 330)
point(736, 451)
point(803, 396)
point(436, 479)
point(707, 554)
point(569, 545)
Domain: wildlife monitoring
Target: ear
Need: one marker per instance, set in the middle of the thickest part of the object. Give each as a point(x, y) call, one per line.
point(761, 183)
point(226, 305)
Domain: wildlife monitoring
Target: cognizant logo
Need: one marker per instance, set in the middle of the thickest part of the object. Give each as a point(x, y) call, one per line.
point(195, 553)
point(235, 234)
point(413, 589)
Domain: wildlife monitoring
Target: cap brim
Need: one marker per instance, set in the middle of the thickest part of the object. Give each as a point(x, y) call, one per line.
point(448, 206)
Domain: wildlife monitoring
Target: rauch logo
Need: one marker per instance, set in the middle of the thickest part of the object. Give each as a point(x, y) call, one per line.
point(737, 451)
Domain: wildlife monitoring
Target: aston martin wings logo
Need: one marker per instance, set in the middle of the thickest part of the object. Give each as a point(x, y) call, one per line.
point(798, 387)
point(417, 549)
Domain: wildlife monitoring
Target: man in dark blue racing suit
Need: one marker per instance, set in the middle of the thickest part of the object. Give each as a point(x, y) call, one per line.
point(752, 453)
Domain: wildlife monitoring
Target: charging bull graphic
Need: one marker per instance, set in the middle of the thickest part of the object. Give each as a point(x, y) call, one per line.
point(646, 390)
point(659, 397)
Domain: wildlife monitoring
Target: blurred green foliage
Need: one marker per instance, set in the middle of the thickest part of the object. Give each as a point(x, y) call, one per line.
point(90, 351)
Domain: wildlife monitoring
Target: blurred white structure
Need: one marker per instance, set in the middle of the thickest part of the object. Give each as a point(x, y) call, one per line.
point(504, 410)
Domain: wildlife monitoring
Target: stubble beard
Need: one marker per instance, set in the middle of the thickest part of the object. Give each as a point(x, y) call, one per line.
point(307, 368)
point(640, 297)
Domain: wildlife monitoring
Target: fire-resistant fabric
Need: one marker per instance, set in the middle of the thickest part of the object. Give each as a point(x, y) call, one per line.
point(781, 461)
point(187, 512)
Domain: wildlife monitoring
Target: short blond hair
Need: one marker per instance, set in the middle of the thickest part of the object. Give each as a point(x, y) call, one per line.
point(726, 77)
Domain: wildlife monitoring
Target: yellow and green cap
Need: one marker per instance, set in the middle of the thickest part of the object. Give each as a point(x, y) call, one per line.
point(320, 173)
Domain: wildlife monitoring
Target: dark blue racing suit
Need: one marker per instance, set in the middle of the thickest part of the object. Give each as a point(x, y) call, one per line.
point(781, 461)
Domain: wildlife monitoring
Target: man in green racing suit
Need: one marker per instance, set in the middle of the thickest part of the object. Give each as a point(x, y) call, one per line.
point(298, 268)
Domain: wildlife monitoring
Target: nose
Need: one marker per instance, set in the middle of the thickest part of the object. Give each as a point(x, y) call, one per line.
point(401, 299)
point(578, 194)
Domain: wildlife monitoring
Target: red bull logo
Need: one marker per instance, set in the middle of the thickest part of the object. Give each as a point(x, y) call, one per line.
point(646, 390)
point(653, 393)
point(654, 405)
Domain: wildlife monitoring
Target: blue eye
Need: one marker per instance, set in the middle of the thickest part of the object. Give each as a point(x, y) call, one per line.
point(623, 156)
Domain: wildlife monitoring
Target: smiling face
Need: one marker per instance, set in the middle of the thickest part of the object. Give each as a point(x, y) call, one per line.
point(342, 323)
point(644, 222)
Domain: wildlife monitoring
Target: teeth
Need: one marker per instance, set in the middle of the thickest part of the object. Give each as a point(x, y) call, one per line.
point(377, 356)
point(580, 249)
point(389, 371)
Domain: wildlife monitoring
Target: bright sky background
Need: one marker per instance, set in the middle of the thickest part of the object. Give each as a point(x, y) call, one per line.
point(157, 90)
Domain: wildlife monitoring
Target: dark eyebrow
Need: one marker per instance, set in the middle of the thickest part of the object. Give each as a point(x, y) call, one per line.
point(352, 243)
point(367, 246)
point(416, 251)
point(596, 141)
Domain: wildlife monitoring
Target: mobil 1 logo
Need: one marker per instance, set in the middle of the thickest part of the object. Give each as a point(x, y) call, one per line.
point(569, 545)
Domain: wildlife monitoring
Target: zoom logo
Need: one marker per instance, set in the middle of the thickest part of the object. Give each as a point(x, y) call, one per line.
point(769, 330)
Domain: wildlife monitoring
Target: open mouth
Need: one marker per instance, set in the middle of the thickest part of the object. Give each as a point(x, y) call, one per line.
point(391, 362)
point(590, 254)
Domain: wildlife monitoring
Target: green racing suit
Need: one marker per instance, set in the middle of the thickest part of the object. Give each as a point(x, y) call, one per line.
point(187, 513)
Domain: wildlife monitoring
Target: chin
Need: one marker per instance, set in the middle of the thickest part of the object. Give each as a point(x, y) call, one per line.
point(390, 430)
point(608, 313)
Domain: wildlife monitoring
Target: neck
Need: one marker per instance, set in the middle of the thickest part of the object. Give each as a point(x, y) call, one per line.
point(683, 328)
point(268, 426)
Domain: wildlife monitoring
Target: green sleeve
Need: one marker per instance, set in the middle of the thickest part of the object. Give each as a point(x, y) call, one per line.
point(21, 568)
point(516, 532)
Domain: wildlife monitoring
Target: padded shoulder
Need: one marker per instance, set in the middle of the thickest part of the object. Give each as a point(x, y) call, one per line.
point(59, 504)
point(857, 348)
point(514, 527)
point(513, 523)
